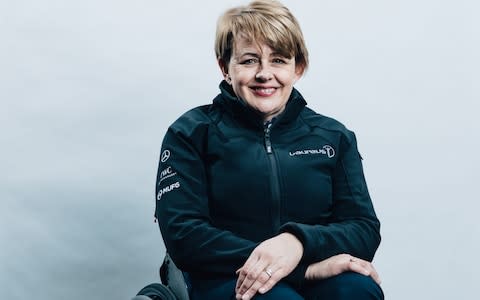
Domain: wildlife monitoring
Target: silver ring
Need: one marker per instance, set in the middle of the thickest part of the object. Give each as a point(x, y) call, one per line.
point(269, 272)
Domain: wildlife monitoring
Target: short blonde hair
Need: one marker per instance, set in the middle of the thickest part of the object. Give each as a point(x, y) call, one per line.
point(261, 21)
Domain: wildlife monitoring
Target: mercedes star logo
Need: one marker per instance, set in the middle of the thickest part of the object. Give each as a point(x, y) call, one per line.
point(165, 156)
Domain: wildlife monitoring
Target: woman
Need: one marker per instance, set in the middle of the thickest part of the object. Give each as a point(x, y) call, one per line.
point(258, 196)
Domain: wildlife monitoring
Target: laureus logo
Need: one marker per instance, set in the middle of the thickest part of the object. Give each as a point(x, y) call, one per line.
point(325, 150)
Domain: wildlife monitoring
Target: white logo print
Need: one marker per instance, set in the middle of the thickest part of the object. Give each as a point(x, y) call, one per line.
point(165, 156)
point(325, 150)
point(167, 189)
point(330, 151)
point(167, 173)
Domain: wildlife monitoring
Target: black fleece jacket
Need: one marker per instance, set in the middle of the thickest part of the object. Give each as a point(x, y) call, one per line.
point(227, 182)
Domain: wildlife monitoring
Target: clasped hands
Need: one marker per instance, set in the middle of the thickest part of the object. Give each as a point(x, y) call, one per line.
point(276, 257)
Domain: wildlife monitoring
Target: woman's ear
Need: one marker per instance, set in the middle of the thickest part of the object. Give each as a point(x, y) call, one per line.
point(224, 69)
point(299, 71)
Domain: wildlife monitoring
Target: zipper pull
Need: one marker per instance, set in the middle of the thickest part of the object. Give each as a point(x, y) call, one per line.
point(268, 143)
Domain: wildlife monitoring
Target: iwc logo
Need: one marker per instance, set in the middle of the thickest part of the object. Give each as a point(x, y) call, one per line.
point(167, 173)
point(325, 150)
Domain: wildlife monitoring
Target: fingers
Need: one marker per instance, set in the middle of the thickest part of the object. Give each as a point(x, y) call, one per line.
point(261, 280)
point(364, 267)
point(369, 270)
point(282, 252)
point(245, 269)
point(277, 275)
point(249, 274)
point(264, 282)
point(372, 272)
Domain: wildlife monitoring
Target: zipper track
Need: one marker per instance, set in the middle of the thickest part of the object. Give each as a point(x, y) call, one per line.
point(274, 178)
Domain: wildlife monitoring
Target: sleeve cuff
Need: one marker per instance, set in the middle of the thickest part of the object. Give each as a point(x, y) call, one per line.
point(299, 231)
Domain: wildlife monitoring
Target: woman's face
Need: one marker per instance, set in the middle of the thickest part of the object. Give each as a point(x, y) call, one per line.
point(261, 77)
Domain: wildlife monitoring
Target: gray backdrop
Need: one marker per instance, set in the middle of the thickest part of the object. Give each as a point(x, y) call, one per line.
point(89, 87)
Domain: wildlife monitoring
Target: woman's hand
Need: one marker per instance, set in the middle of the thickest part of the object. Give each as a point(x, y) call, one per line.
point(269, 262)
point(338, 264)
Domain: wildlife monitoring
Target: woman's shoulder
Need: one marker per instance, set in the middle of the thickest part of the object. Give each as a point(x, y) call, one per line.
point(196, 114)
point(314, 119)
point(193, 119)
point(328, 127)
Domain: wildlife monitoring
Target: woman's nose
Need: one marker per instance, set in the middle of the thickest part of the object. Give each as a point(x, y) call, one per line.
point(264, 74)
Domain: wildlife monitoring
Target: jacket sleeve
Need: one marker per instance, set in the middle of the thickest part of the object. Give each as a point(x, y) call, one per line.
point(353, 227)
point(182, 210)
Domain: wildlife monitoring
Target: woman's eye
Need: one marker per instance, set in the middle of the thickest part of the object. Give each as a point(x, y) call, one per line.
point(249, 61)
point(279, 61)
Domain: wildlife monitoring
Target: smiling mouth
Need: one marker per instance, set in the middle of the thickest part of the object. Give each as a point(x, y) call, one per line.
point(264, 92)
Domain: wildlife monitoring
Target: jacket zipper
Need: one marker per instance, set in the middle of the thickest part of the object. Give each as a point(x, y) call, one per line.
point(274, 180)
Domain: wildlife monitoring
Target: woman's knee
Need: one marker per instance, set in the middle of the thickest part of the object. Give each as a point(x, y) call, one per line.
point(348, 285)
point(225, 289)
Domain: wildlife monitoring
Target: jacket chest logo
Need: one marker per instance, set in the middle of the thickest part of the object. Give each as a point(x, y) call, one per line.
point(326, 150)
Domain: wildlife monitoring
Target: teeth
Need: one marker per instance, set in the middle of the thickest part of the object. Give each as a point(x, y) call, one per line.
point(266, 91)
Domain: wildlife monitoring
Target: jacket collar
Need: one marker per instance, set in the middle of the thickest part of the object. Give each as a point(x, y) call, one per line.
point(242, 112)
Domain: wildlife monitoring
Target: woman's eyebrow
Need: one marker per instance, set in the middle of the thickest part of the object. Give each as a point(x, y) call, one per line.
point(255, 54)
point(276, 53)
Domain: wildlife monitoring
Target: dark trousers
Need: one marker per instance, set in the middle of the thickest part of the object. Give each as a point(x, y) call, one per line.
point(346, 286)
